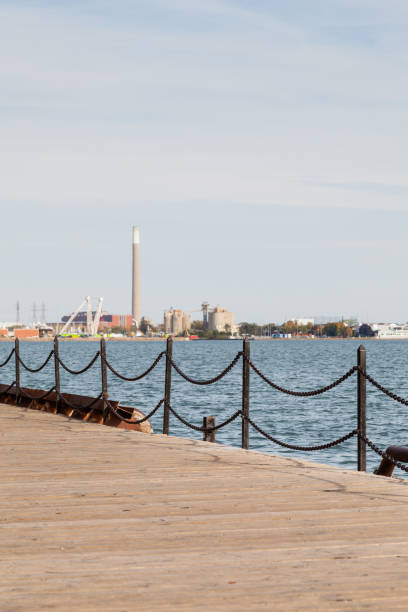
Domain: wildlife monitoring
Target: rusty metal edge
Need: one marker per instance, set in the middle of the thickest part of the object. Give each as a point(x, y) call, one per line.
point(94, 414)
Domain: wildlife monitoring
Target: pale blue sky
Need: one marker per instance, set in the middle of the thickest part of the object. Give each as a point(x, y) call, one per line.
point(198, 120)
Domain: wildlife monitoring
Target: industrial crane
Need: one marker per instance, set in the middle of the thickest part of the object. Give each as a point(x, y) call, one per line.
point(89, 316)
point(91, 324)
point(97, 317)
point(74, 314)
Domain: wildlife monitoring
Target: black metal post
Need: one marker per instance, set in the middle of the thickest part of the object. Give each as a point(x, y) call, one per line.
point(361, 409)
point(209, 436)
point(167, 386)
point(104, 379)
point(17, 364)
point(57, 373)
point(245, 393)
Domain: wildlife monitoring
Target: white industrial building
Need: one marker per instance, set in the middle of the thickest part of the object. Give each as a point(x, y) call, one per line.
point(176, 322)
point(389, 331)
point(219, 319)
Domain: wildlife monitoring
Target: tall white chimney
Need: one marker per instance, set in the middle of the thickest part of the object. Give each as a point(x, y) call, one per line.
point(136, 277)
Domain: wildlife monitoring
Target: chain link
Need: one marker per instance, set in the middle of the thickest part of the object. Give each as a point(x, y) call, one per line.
point(39, 397)
point(301, 448)
point(13, 384)
point(382, 454)
point(8, 359)
point(34, 370)
point(76, 372)
point(133, 379)
point(205, 429)
point(79, 408)
point(390, 394)
point(210, 381)
point(135, 421)
point(302, 393)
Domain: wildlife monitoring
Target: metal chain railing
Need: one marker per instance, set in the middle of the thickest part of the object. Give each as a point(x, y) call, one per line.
point(84, 408)
point(34, 370)
point(327, 445)
point(76, 372)
point(140, 376)
point(248, 364)
point(381, 453)
point(390, 394)
point(135, 421)
point(24, 393)
point(210, 381)
point(13, 384)
point(335, 383)
point(205, 429)
point(7, 359)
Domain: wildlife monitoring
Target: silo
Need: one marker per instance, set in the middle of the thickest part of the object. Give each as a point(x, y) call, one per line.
point(177, 322)
point(186, 321)
point(168, 322)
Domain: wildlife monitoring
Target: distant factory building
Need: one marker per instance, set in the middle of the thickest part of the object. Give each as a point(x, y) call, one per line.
point(107, 321)
point(219, 318)
point(176, 322)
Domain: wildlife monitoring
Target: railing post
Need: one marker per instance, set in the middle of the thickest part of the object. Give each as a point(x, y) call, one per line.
point(167, 386)
point(361, 408)
point(17, 364)
point(208, 436)
point(104, 379)
point(57, 373)
point(245, 393)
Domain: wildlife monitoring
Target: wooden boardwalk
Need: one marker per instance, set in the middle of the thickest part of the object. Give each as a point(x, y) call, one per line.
point(95, 518)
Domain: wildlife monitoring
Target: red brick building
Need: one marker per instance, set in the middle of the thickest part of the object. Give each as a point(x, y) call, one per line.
point(115, 320)
point(26, 333)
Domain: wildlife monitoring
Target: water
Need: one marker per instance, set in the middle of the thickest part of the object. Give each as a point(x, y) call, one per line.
point(296, 364)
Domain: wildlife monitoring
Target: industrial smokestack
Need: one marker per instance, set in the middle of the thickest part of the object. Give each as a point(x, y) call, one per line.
point(136, 277)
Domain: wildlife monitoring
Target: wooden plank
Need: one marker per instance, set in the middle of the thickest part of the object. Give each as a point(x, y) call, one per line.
point(93, 517)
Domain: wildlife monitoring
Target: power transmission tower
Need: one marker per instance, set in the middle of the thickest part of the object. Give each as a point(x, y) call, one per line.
point(18, 312)
point(34, 312)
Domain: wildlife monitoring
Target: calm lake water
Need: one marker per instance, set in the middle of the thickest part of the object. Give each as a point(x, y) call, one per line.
point(297, 364)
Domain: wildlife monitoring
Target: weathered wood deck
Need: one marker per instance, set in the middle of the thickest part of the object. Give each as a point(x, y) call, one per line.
point(93, 518)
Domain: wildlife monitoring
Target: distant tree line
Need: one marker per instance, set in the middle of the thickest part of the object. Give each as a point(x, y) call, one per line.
point(332, 329)
point(339, 329)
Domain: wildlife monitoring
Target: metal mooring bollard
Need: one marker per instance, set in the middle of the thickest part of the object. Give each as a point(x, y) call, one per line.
point(398, 453)
point(209, 436)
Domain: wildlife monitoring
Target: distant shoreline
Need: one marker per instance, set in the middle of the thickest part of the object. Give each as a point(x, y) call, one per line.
point(256, 339)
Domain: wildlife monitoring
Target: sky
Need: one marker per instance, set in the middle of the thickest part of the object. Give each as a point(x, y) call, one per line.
point(259, 145)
